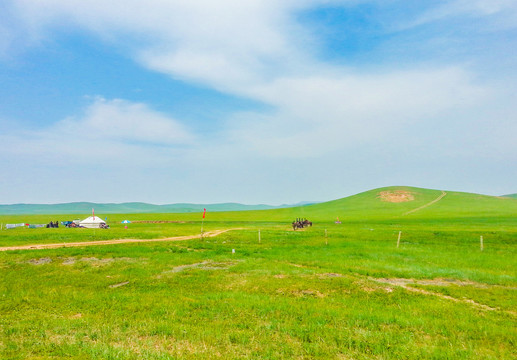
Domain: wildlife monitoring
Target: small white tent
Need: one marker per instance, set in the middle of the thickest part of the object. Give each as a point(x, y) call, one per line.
point(92, 222)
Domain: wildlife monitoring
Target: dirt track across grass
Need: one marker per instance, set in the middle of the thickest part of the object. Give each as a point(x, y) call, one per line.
point(426, 205)
point(112, 242)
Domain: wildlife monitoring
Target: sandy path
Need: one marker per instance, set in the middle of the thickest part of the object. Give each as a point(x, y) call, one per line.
point(112, 242)
point(426, 205)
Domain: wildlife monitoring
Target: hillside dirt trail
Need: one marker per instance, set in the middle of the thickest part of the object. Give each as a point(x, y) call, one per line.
point(426, 205)
point(113, 242)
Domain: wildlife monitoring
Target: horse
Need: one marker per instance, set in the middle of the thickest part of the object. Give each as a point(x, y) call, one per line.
point(300, 224)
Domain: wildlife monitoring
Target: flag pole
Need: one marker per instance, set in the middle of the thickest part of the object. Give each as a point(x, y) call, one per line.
point(202, 222)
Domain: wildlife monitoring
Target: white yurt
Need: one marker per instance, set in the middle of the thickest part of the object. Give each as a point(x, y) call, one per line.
point(92, 222)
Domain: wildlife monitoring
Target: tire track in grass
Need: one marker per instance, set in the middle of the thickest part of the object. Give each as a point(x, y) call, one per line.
point(113, 242)
point(404, 283)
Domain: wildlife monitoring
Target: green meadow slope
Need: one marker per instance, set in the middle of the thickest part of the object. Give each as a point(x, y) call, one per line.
point(369, 206)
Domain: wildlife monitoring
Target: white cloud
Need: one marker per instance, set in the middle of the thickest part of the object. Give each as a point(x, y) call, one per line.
point(320, 114)
point(113, 130)
point(215, 43)
point(478, 7)
point(126, 121)
point(254, 49)
point(504, 11)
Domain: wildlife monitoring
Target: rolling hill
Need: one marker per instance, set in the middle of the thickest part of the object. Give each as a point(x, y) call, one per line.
point(124, 208)
point(387, 204)
point(396, 202)
point(417, 203)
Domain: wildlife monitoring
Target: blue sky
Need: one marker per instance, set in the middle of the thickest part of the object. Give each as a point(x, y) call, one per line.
point(254, 102)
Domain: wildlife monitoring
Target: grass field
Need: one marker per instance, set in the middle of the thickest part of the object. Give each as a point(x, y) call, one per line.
point(349, 294)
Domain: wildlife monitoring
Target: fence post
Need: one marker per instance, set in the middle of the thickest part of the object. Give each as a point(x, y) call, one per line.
point(398, 240)
point(481, 242)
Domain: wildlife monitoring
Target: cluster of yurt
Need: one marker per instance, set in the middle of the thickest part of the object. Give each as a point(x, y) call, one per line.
point(91, 222)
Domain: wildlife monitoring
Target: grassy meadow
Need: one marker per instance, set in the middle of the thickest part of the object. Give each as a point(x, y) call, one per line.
point(332, 291)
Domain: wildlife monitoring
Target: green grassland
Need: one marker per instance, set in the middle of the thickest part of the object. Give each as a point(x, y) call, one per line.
point(333, 291)
point(511, 195)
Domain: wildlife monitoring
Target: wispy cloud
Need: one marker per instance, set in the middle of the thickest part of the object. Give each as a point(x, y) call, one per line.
point(504, 12)
point(125, 121)
point(320, 114)
point(111, 130)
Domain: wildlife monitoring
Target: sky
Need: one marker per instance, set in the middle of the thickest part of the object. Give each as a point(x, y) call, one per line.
point(256, 101)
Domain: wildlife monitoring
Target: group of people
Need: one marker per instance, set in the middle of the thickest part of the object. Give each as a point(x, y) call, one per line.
point(300, 223)
point(53, 225)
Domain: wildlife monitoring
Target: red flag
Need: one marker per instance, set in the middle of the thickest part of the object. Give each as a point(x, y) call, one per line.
point(204, 212)
point(93, 214)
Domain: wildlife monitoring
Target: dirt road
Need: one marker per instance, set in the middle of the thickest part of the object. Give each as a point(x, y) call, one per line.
point(112, 242)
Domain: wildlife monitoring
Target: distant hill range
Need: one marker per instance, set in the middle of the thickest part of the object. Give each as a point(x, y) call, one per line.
point(385, 202)
point(128, 208)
